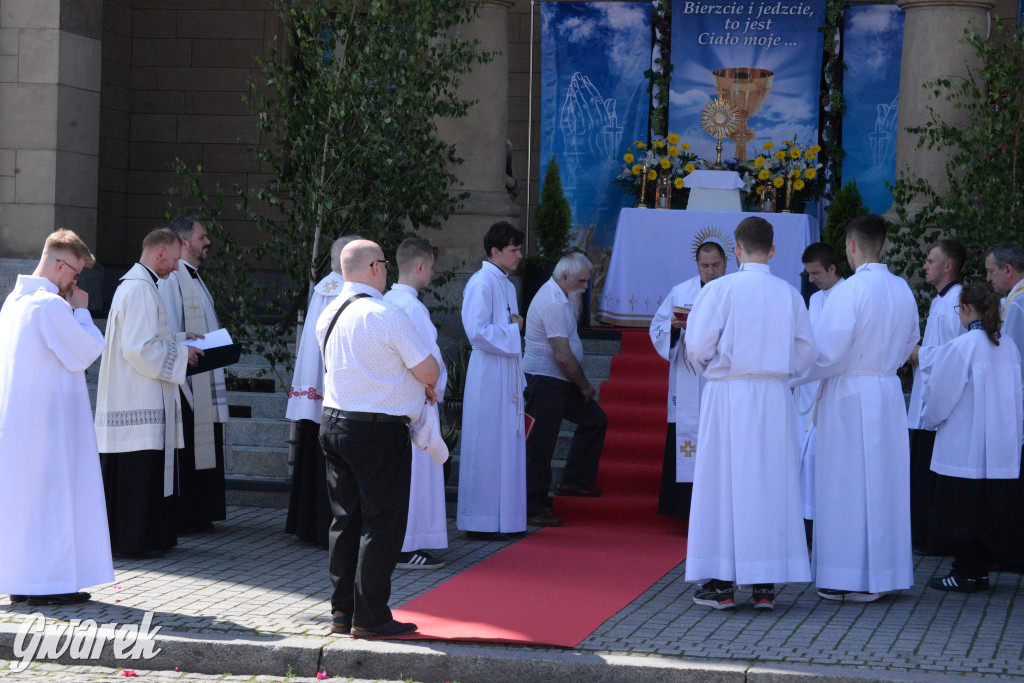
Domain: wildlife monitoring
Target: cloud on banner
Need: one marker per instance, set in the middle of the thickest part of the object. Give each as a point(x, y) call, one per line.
point(872, 49)
point(594, 102)
point(748, 38)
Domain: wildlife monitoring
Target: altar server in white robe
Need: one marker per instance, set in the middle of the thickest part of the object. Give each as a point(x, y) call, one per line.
point(309, 506)
point(821, 261)
point(492, 460)
point(427, 527)
point(201, 497)
point(749, 334)
point(865, 333)
point(138, 417)
point(668, 328)
point(973, 400)
point(55, 538)
point(942, 266)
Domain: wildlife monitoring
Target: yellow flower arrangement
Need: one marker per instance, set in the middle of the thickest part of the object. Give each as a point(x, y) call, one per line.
point(769, 145)
point(810, 173)
point(637, 169)
point(780, 155)
point(665, 163)
point(652, 175)
point(673, 151)
point(778, 181)
point(665, 157)
point(659, 144)
point(685, 147)
point(798, 184)
point(784, 161)
point(690, 168)
point(794, 153)
point(679, 183)
point(765, 174)
point(673, 139)
point(759, 162)
point(628, 158)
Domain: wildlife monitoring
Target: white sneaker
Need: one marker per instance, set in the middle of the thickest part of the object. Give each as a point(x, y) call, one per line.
point(418, 559)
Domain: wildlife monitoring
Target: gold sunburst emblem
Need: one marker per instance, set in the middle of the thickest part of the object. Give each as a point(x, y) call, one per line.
point(719, 118)
point(712, 233)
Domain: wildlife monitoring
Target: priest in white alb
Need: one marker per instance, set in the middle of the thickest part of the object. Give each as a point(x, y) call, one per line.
point(668, 329)
point(309, 506)
point(204, 397)
point(749, 335)
point(867, 329)
point(54, 537)
point(138, 415)
point(427, 526)
point(492, 460)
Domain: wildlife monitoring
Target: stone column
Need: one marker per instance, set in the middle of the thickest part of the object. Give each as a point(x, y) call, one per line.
point(932, 48)
point(49, 137)
point(480, 139)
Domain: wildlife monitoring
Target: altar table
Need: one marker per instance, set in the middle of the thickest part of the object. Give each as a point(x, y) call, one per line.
point(654, 250)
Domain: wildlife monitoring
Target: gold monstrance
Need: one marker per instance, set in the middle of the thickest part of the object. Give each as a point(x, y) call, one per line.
point(719, 118)
point(747, 88)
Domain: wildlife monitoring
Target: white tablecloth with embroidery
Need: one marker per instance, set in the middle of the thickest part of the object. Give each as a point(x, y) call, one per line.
point(654, 250)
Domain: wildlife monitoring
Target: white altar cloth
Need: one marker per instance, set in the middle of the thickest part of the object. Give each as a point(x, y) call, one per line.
point(654, 251)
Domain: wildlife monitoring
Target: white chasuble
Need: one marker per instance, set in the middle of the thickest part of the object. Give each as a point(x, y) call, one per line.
point(943, 324)
point(306, 394)
point(866, 331)
point(54, 536)
point(427, 525)
point(144, 365)
point(749, 334)
point(684, 383)
point(492, 463)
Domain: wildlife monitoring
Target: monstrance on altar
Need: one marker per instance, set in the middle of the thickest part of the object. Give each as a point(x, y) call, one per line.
point(716, 189)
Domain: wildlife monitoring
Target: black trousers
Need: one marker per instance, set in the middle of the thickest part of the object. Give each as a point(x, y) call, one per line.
point(141, 518)
point(309, 507)
point(369, 465)
point(673, 496)
point(922, 491)
point(201, 495)
point(549, 401)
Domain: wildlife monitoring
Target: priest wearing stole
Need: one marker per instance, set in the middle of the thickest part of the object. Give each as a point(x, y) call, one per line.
point(749, 335)
point(668, 327)
point(492, 464)
point(204, 407)
point(54, 538)
point(865, 333)
point(138, 416)
point(309, 507)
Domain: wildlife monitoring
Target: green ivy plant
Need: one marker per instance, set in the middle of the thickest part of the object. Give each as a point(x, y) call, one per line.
point(833, 106)
point(985, 168)
point(347, 108)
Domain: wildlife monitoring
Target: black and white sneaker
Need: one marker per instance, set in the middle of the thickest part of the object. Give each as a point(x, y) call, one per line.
point(764, 596)
point(418, 559)
point(716, 595)
point(959, 584)
point(848, 596)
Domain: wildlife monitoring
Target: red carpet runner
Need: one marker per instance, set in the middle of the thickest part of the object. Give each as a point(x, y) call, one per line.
point(558, 585)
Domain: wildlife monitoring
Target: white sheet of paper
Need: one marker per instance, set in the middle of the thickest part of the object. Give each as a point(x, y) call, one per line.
point(219, 337)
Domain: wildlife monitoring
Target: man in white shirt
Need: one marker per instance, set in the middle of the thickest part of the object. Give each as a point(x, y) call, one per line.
point(309, 507)
point(865, 333)
point(204, 397)
point(378, 373)
point(54, 539)
point(427, 525)
point(492, 457)
point(942, 267)
point(748, 334)
point(821, 261)
point(684, 383)
point(557, 389)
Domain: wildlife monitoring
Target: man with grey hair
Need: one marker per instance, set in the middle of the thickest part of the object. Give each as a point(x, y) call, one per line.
point(557, 389)
point(309, 507)
point(204, 398)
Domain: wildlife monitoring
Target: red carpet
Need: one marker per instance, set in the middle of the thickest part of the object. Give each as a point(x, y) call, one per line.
point(558, 585)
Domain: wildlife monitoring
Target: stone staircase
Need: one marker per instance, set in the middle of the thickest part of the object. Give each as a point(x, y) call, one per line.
point(259, 475)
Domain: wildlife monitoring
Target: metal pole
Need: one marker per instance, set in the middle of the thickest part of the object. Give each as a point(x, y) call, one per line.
point(529, 130)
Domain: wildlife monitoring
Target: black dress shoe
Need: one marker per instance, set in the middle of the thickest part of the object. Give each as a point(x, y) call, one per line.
point(58, 599)
point(544, 520)
point(392, 629)
point(18, 598)
point(341, 623)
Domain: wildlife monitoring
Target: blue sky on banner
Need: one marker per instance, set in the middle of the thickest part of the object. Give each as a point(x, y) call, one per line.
point(872, 47)
point(594, 101)
point(774, 35)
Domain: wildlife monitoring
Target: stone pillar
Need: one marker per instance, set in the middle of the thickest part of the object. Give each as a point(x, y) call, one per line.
point(480, 139)
point(49, 136)
point(932, 48)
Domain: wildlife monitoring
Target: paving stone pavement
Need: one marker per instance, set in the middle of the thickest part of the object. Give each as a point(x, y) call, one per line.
point(251, 587)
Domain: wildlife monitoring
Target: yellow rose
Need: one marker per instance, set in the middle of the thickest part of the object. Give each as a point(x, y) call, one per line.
point(628, 158)
point(759, 162)
point(769, 145)
point(794, 153)
point(764, 174)
point(679, 183)
point(652, 175)
point(689, 168)
point(665, 163)
point(685, 147)
point(637, 169)
point(780, 155)
point(673, 151)
point(673, 139)
point(778, 182)
point(810, 173)
point(798, 184)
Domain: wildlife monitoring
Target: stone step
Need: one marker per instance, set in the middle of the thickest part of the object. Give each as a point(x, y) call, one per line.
point(260, 461)
point(260, 431)
point(260, 405)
